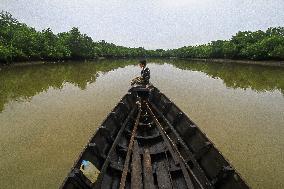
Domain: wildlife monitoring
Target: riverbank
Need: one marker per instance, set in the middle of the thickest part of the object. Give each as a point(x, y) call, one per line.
point(37, 62)
point(251, 62)
point(27, 63)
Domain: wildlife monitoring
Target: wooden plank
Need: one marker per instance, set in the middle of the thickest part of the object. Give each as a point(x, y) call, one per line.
point(147, 170)
point(197, 173)
point(136, 171)
point(129, 151)
point(174, 153)
point(163, 177)
point(98, 183)
point(186, 177)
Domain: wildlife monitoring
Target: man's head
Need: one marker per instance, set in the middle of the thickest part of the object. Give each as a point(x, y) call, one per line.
point(142, 63)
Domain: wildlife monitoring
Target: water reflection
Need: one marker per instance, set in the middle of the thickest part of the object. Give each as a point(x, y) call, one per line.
point(255, 77)
point(23, 82)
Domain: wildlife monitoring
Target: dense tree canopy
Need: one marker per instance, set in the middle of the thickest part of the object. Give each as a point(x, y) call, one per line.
point(256, 45)
point(19, 42)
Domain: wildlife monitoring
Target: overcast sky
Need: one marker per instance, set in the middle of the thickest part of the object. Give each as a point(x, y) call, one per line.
point(150, 24)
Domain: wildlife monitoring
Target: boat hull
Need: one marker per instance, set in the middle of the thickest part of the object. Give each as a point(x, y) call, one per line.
point(148, 142)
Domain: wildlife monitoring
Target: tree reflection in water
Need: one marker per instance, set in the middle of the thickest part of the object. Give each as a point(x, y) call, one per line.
point(24, 82)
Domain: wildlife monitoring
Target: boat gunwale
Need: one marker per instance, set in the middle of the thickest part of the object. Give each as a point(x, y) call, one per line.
point(200, 130)
point(94, 134)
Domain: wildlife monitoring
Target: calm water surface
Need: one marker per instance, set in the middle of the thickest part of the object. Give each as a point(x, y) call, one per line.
point(48, 112)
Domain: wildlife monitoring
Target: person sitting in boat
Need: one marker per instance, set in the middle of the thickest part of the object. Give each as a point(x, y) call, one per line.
point(145, 75)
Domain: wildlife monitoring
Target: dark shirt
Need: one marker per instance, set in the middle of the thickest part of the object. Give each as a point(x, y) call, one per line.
point(145, 74)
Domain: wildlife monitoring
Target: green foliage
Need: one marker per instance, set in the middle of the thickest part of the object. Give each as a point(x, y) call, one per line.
point(229, 50)
point(278, 52)
point(19, 42)
point(256, 45)
point(80, 45)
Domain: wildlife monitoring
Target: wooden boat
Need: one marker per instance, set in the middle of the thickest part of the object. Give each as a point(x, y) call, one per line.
point(148, 142)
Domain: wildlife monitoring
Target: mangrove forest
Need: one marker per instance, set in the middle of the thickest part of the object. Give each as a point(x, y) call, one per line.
point(19, 42)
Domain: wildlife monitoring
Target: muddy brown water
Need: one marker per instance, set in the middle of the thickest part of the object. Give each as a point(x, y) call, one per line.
point(49, 111)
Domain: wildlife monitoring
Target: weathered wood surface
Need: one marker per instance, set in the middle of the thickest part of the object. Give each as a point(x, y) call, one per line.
point(155, 146)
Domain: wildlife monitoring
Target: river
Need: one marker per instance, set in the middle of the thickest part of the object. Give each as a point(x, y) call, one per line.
point(49, 111)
